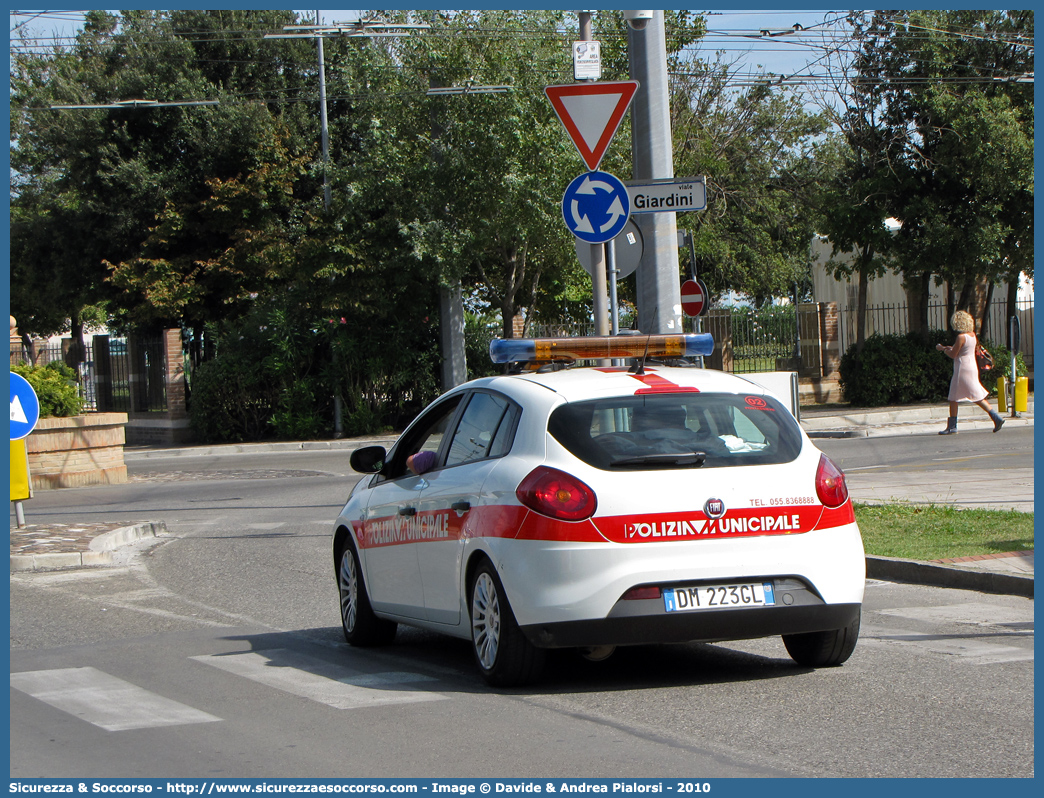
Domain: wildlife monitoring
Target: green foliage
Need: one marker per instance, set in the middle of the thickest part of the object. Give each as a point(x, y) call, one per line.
point(760, 152)
point(1001, 366)
point(939, 120)
point(56, 388)
point(896, 370)
point(478, 332)
point(278, 369)
point(231, 400)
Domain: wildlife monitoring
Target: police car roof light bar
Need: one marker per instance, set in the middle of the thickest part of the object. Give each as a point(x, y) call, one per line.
point(546, 350)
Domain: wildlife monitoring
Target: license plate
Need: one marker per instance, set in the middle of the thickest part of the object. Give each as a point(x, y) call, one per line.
point(718, 597)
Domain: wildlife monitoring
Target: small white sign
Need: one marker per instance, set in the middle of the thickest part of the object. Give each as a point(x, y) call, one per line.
point(673, 194)
point(587, 60)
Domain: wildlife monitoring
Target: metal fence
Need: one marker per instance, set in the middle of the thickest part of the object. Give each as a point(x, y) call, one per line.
point(893, 320)
point(117, 374)
point(764, 339)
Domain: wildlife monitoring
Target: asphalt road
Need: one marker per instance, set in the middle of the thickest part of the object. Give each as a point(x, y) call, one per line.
point(216, 652)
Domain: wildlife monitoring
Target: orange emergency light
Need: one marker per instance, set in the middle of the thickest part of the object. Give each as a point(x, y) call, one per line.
point(548, 350)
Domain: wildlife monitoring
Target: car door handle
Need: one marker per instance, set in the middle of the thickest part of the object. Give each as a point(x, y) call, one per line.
point(461, 507)
point(407, 511)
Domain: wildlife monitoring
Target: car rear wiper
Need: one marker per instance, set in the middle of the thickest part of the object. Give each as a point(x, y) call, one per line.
point(689, 460)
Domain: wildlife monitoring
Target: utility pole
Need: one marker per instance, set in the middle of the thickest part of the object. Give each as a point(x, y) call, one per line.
point(338, 408)
point(659, 291)
point(362, 29)
point(326, 164)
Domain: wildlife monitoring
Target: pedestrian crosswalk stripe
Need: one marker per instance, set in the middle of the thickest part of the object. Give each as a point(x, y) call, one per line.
point(106, 701)
point(321, 681)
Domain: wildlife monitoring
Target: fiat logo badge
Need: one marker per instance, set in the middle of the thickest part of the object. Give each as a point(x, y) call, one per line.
point(714, 508)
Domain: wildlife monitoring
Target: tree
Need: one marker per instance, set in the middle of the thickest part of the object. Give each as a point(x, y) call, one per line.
point(959, 118)
point(762, 155)
point(488, 168)
point(853, 206)
point(128, 188)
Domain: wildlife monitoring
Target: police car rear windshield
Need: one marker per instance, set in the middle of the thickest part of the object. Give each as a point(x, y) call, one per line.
point(677, 430)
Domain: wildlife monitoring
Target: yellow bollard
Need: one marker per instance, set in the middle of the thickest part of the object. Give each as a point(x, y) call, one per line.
point(1002, 395)
point(21, 487)
point(1021, 394)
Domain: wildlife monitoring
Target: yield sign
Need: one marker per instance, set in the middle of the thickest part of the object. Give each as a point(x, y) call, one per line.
point(591, 113)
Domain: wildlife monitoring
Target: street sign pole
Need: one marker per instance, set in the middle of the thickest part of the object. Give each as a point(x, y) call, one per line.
point(598, 284)
point(25, 412)
point(598, 287)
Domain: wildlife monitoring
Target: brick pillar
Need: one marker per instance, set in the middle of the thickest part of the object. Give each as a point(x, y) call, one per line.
point(175, 373)
point(809, 339)
point(518, 326)
point(830, 336)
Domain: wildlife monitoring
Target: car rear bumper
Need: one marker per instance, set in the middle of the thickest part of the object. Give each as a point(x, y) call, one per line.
point(682, 627)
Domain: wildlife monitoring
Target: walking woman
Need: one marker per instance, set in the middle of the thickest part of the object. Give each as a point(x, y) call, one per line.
point(965, 385)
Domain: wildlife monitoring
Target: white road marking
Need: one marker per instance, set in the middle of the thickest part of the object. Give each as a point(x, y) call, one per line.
point(105, 701)
point(321, 681)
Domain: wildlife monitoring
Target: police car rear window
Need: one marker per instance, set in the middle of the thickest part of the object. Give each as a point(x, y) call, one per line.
point(682, 430)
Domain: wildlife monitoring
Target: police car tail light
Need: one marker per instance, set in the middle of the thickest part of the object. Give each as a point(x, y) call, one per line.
point(830, 483)
point(557, 494)
point(547, 350)
point(641, 592)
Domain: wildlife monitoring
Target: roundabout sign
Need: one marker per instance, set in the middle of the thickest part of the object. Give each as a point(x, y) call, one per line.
point(596, 207)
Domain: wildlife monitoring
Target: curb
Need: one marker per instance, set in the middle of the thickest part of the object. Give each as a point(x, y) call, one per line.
point(910, 428)
point(343, 444)
point(99, 550)
point(893, 569)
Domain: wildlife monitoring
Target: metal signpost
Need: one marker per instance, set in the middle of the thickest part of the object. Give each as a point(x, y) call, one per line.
point(591, 114)
point(25, 413)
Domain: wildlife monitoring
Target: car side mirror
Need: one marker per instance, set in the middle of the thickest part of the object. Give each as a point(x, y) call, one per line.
point(368, 459)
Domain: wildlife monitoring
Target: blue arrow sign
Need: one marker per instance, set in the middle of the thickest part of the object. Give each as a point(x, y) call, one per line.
point(595, 207)
point(25, 407)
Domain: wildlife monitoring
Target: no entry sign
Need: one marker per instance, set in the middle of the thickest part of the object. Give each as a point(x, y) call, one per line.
point(693, 297)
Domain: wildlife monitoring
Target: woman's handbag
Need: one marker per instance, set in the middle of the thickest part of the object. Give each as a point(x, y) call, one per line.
point(983, 358)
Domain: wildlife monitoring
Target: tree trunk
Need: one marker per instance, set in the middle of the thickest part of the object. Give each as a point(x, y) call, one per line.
point(514, 275)
point(77, 350)
point(30, 347)
point(864, 285)
point(984, 326)
point(917, 294)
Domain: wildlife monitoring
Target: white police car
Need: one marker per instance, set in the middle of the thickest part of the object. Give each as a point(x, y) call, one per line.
point(601, 506)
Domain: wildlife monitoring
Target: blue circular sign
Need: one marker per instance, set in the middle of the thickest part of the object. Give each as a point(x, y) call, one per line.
point(25, 407)
point(596, 207)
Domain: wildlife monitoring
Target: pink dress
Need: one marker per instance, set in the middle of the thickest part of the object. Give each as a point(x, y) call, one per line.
point(965, 387)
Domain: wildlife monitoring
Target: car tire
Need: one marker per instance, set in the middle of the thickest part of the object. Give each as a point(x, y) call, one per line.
point(360, 625)
point(503, 654)
point(823, 649)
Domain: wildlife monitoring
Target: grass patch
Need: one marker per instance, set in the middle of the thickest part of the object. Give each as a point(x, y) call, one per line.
point(929, 532)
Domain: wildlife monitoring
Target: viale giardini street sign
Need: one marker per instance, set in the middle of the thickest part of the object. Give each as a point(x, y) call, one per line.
point(672, 194)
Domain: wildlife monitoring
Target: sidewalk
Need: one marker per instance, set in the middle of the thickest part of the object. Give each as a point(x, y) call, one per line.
point(52, 546)
point(840, 422)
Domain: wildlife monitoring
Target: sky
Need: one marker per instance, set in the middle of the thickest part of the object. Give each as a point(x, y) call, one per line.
point(736, 33)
